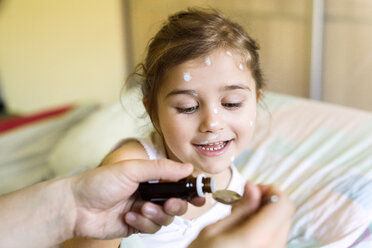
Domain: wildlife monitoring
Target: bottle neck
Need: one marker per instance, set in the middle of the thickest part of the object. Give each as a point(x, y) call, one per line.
point(204, 185)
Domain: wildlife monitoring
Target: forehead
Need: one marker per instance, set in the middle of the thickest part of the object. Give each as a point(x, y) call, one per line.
point(224, 57)
point(219, 68)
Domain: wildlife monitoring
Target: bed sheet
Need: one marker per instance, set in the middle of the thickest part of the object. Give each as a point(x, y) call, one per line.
point(365, 240)
point(26, 142)
point(321, 155)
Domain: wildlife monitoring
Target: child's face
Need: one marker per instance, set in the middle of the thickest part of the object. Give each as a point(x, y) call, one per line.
point(207, 110)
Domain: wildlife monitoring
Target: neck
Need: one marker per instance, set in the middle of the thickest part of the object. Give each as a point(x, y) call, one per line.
point(222, 179)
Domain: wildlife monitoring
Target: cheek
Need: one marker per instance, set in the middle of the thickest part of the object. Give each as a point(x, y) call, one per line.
point(174, 130)
point(244, 125)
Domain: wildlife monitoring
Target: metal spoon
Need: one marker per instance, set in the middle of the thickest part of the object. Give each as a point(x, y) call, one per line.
point(226, 196)
point(230, 197)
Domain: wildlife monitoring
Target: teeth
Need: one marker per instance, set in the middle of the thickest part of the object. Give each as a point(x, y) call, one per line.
point(219, 147)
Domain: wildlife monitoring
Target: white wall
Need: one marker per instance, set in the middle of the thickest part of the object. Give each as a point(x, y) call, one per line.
point(61, 51)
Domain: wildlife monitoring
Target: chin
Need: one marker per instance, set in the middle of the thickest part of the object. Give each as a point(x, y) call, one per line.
point(213, 169)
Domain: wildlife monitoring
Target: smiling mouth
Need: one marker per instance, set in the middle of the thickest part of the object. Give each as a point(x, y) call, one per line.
point(213, 146)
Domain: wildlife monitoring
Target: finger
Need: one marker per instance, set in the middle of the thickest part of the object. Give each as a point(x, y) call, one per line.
point(252, 197)
point(272, 216)
point(198, 201)
point(266, 222)
point(137, 205)
point(156, 214)
point(141, 223)
point(145, 170)
point(174, 206)
point(248, 205)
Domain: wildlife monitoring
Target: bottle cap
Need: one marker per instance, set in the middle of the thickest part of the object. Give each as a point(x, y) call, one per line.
point(200, 184)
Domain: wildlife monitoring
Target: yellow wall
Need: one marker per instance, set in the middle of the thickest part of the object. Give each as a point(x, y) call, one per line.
point(348, 53)
point(54, 52)
point(282, 29)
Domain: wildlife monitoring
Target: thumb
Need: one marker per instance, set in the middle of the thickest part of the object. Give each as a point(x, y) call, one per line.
point(144, 170)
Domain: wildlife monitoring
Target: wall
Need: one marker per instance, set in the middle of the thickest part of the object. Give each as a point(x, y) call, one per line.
point(282, 29)
point(60, 51)
point(56, 52)
point(348, 53)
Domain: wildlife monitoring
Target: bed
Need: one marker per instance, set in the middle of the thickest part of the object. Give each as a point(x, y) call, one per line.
point(318, 153)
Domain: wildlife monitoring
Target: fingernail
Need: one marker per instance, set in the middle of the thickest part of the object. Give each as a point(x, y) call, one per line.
point(131, 217)
point(270, 199)
point(150, 210)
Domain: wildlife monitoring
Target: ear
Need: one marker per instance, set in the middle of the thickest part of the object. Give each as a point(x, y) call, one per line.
point(258, 95)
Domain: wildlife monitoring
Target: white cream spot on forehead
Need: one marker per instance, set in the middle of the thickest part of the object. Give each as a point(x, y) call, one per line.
point(208, 61)
point(229, 53)
point(241, 67)
point(186, 76)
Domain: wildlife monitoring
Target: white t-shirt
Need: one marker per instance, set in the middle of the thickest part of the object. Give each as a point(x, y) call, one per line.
point(181, 232)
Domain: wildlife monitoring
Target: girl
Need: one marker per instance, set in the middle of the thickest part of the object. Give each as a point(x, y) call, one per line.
point(201, 82)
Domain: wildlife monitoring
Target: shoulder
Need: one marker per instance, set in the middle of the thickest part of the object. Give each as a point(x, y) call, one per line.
point(129, 150)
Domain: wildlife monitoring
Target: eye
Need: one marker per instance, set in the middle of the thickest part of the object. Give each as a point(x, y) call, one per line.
point(231, 105)
point(187, 110)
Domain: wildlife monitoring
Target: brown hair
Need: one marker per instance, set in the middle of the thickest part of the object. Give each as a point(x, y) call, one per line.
point(188, 35)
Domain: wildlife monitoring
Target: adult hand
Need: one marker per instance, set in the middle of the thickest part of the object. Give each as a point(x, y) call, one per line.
point(107, 207)
point(250, 224)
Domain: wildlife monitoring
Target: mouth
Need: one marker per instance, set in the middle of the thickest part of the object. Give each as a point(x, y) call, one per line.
point(213, 149)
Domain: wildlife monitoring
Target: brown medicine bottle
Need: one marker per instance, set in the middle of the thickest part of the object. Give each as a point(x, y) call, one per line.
point(159, 191)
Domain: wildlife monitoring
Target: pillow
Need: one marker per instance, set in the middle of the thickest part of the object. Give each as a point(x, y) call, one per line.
point(87, 143)
point(27, 141)
point(321, 155)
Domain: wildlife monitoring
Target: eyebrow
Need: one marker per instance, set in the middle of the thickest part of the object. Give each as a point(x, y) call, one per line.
point(181, 92)
point(236, 87)
point(193, 93)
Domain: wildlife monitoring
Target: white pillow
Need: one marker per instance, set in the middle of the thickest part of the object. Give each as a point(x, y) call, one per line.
point(24, 150)
point(86, 144)
point(320, 154)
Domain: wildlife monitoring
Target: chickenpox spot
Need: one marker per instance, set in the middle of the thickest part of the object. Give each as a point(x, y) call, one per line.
point(186, 76)
point(213, 124)
point(214, 136)
point(249, 57)
point(208, 61)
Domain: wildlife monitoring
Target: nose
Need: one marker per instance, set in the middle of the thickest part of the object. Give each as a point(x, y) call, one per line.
point(211, 121)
